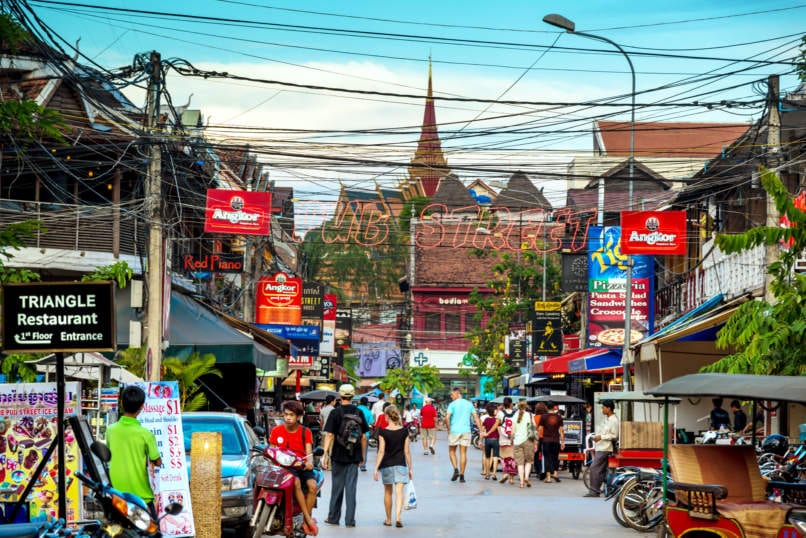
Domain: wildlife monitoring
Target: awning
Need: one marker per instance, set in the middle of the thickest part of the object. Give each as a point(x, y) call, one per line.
point(609, 360)
point(562, 364)
point(194, 327)
point(291, 381)
point(87, 366)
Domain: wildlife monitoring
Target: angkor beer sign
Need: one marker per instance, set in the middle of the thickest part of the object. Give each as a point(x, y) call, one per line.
point(493, 228)
point(653, 232)
point(237, 212)
point(58, 316)
point(278, 299)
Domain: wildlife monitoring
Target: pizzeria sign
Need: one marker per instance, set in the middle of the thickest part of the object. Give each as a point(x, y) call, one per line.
point(43, 317)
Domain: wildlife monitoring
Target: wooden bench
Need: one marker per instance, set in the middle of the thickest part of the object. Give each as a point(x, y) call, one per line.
point(714, 481)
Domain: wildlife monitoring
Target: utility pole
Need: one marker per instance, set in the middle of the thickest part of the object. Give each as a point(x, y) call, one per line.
point(153, 206)
point(773, 157)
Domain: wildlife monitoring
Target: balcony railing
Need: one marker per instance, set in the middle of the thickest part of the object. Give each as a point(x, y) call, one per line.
point(730, 274)
point(116, 230)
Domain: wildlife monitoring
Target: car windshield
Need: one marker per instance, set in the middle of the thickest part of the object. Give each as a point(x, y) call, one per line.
point(231, 442)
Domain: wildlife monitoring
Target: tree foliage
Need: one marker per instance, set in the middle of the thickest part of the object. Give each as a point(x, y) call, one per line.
point(17, 368)
point(517, 282)
point(769, 338)
point(133, 359)
point(187, 372)
point(12, 237)
point(800, 61)
point(118, 272)
point(423, 378)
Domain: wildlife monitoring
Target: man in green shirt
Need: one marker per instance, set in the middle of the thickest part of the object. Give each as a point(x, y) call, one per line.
point(132, 447)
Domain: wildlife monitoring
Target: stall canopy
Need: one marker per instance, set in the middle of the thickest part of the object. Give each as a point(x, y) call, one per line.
point(194, 327)
point(582, 361)
point(90, 366)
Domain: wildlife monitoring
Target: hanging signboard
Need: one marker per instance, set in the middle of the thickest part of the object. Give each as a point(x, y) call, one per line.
point(574, 273)
point(547, 334)
point(161, 415)
point(278, 300)
point(517, 352)
point(223, 262)
point(312, 300)
point(42, 317)
point(344, 328)
point(28, 423)
point(328, 345)
point(653, 232)
point(607, 275)
point(237, 212)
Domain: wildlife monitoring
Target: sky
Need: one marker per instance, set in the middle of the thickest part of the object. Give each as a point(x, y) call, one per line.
point(555, 83)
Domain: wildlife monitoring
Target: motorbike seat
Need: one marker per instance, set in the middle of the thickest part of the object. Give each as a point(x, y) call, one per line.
point(320, 478)
point(21, 530)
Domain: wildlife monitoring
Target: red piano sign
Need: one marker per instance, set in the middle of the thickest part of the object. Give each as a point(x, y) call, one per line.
point(237, 212)
point(653, 232)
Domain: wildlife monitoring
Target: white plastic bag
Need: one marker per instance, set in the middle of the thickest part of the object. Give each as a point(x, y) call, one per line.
point(411, 496)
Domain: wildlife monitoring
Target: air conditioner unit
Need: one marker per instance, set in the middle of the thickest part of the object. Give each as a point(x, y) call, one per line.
point(800, 265)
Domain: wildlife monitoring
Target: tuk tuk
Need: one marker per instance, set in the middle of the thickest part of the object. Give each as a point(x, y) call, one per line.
point(718, 489)
point(573, 453)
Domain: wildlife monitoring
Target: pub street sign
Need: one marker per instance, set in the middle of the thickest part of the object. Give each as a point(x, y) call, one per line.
point(44, 317)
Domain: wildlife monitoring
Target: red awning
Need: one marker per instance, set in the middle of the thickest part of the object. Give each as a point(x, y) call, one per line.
point(560, 365)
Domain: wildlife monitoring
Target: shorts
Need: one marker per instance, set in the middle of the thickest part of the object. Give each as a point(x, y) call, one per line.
point(525, 452)
point(429, 432)
point(304, 475)
point(491, 448)
point(461, 439)
point(397, 474)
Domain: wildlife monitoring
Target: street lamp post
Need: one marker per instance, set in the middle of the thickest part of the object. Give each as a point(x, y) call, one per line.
point(561, 22)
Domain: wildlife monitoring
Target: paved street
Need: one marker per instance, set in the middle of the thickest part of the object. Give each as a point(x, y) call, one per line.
point(476, 508)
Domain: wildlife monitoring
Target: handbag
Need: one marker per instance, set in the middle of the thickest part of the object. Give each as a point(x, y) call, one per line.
point(411, 496)
point(531, 431)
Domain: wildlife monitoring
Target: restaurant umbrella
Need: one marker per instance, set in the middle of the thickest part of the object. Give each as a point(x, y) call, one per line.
point(319, 395)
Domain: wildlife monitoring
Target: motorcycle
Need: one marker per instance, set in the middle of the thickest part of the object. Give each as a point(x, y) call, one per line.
point(55, 528)
point(125, 514)
point(275, 509)
point(414, 430)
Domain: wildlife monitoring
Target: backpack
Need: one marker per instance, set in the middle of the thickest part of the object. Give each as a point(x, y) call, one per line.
point(506, 424)
point(350, 430)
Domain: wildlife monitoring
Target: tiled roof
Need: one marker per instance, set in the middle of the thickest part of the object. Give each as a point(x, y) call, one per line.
point(452, 193)
point(521, 193)
point(660, 139)
point(429, 164)
point(650, 191)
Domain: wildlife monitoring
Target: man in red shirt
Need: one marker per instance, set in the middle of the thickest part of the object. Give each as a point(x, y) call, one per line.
point(294, 437)
point(428, 425)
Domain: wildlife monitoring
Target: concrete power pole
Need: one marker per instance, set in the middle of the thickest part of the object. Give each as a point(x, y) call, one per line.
point(773, 158)
point(155, 262)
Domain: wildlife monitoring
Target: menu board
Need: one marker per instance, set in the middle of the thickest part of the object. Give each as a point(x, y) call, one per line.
point(28, 426)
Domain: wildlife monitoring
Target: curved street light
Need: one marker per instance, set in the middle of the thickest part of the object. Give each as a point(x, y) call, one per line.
point(568, 25)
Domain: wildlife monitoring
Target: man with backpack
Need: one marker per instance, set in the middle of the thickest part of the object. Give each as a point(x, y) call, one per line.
point(345, 446)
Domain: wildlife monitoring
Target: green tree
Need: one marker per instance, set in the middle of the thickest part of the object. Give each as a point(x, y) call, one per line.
point(119, 272)
point(769, 338)
point(17, 368)
point(188, 373)
point(517, 282)
point(800, 61)
point(423, 378)
point(133, 359)
point(12, 237)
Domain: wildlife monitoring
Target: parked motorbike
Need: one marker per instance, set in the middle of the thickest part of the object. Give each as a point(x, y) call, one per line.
point(414, 430)
point(475, 436)
point(55, 528)
point(276, 510)
point(125, 514)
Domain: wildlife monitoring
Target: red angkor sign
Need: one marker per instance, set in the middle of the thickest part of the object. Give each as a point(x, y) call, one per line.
point(237, 212)
point(278, 299)
point(653, 232)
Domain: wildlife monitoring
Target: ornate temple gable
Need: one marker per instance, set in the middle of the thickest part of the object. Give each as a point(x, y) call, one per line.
point(429, 164)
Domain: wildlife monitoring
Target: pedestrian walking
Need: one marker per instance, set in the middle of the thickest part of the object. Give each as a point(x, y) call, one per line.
point(363, 406)
point(506, 418)
point(523, 444)
point(393, 464)
point(457, 422)
point(345, 445)
point(326, 410)
point(428, 426)
point(552, 440)
point(606, 434)
point(377, 407)
point(490, 433)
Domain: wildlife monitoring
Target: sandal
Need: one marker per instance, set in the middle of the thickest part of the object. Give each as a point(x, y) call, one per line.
point(493, 477)
point(521, 485)
point(387, 523)
point(511, 481)
point(528, 484)
point(311, 530)
point(504, 479)
point(399, 525)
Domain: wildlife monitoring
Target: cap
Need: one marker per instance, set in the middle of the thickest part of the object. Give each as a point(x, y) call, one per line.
point(608, 403)
point(346, 391)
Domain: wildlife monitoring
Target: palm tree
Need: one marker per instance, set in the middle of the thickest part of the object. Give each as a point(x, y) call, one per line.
point(187, 373)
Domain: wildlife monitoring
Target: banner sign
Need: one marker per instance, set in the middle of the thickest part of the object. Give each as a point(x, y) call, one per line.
point(574, 273)
point(607, 274)
point(28, 423)
point(653, 232)
point(328, 345)
point(312, 300)
point(547, 334)
point(300, 362)
point(344, 328)
point(305, 338)
point(278, 299)
point(237, 212)
point(224, 262)
point(161, 415)
point(58, 316)
point(517, 352)
point(375, 358)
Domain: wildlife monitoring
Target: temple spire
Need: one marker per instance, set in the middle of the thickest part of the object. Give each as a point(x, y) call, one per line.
point(429, 164)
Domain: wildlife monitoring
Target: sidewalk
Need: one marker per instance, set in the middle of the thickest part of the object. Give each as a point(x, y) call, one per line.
point(479, 506)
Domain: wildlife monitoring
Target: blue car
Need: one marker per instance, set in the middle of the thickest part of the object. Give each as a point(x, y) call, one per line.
point(239, 463)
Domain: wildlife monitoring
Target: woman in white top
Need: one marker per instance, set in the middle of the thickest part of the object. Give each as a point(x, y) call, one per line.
point(524, 447)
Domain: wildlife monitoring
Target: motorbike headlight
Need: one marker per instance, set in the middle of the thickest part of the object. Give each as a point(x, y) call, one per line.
point(234, 482)
point(285, 459)
point(139, 517)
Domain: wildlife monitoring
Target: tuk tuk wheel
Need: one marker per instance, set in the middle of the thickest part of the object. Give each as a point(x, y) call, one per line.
point(586, 478)
point(663, 531)
point(576, 468)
